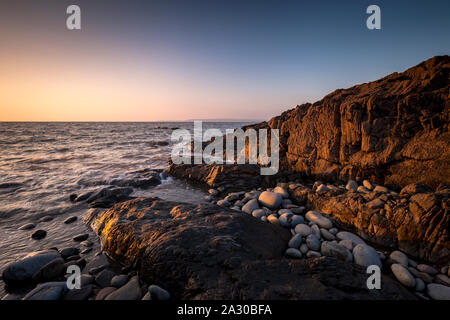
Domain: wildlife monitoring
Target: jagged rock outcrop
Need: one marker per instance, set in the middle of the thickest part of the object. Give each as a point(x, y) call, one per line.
point(209, 252)
point(393, 131)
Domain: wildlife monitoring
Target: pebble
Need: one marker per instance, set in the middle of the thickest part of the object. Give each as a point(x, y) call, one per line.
point(281, 191)
point(303, 230)
point(223, 203)
point(285, 220)
point(39, 234)
point(258, 213)
point(239, 203)
point(79, 294)
point(316, 230)
point(438, 291)
point(412, 263)
point(269, 199)
point(420, 285)
point(250, 206)
point(380, 189)
point(130, 291)
point(213, 192)
point(81, 237)
point(333, 231)
point(67, 252)
point(50, 271)
point(158, 293)
point(365, 256)
point(24, 269)
point(103, 293)
point(103, 278)
point(304, 248)
point(298, 210)
point(27, 226)
point(295, 241)
point(313, 254)
point(362, 189)
point(86, 279)
point(425, 277)
point(427, 269)
point(319, 219)
point(399, 257)
point(344, 235)
point(331, 249)
point(442, 279)
point(119, 280)
point(296, 220)
point(70, 220)
point(47, 291)
point(403, 275)
point(322, 189)
point(347, 243)
point(351, 185)
point(327, 235)
point(367, 184)
point(313, 242)
point(293, 253)
point(273, 219)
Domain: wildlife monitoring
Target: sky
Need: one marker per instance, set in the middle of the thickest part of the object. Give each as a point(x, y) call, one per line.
point(191, 59)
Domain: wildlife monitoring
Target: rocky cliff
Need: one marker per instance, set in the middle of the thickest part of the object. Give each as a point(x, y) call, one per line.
point(393, 131)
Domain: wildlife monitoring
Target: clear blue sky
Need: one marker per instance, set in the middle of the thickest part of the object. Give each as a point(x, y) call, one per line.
point(175, 60)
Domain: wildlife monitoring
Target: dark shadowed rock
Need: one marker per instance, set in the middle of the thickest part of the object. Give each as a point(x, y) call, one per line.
point(47, 291)
point(103, 278)
point(70, 220)
point(81, 237)
point(79, 294)
point(211, 252)
point(50, 271)
point(231, 177)
point(38, 234)
point(24, 269)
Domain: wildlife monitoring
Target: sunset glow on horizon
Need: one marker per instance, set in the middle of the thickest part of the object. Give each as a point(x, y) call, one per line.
point(140, 61)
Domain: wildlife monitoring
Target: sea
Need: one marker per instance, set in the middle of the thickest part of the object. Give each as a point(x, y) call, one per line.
point(42, 163)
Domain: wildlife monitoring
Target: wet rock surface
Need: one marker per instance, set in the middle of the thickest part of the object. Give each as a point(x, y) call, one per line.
point(211, 252)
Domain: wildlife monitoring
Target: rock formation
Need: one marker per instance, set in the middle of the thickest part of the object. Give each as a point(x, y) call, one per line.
point(393, 131)
point(210, 252)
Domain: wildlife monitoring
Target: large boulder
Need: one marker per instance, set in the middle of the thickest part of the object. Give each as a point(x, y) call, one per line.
point(210, 252)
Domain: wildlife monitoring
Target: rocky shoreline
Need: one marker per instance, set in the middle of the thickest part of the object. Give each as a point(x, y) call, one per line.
point(380, 151)
point(151, 247)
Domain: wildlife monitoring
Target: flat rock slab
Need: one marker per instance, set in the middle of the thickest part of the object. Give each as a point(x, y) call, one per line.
point(210, 252)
